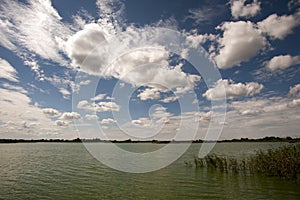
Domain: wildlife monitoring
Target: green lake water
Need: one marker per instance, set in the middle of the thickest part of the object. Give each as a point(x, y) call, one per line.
point(68, 171)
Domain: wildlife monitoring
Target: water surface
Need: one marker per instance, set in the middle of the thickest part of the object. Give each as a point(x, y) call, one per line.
point(68, 171)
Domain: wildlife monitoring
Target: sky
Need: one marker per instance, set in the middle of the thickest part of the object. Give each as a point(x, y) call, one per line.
point(144, 70)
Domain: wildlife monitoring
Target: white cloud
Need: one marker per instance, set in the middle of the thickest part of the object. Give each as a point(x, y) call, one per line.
point(232, 90)
point(61, 123)
point(98, 107)
point(194, 39)
point(21, 119)
point(111, 12)
point(255, 107)
point(295, 103)
point(36, 69)
point(241, 41)
point(260, 117)
point(98, 97)
point(149, 93)
point(110, 98)
point(205, 13)
point(240, 9)
point(86, 82)
point(278, 27)
point(91, 117)
point(66, 93)
point(7, 71)
point(203, 116)
point(145, 122)
point(170, 99)
point(282, 62)
point(35, 26)
point(64, 84)
point(251, 112)
point(160, 112)
point(85, 105)
point(14, 88)
point(295, 91)
point(51, 112)
point(79, 46)
point(6, 32)
point(109, 106)
point(68, 116)
point(148, 66)
point(107, 121)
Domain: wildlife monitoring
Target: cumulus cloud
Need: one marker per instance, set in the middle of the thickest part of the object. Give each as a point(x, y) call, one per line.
point(203, 116)
point(161, 112)
point(260, 117)
point(98, 97)
point(169, 99)
point(282, 62)
point(295, 91)
point(251, 112)
point(143, 121)
point(149, 93)
point(108, 121)
point(232, 90)
point(65, 93)
point(240, 9)
point(7, 71)
point(123, 58)
point(253, 107)
point(91, 117)
point(150, 67)
point(86, 82)
point(240, 41)
point(61, 123)
point(28, 122)
point(111, 12)
point(36, 69)
point(295, 103)
point(68, 116)
point(35, 27)
point(85, 105)
point(109, 106)
point(161, 116)
point(278, 27)
point(80, 45)
point(51, 112)
point(194, 39)
point(98, 107)
point(236, 36)
point(21, 117)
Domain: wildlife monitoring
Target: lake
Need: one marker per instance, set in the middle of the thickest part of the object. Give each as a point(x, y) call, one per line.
point(68, 171)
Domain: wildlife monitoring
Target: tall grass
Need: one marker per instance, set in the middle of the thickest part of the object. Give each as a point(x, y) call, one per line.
point(282, 162)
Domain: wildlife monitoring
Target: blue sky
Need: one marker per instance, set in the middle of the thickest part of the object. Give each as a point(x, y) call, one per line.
point(136, 69)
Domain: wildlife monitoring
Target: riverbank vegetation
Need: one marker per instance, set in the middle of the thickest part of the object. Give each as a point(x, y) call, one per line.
point(265, 139)
point(283, 162)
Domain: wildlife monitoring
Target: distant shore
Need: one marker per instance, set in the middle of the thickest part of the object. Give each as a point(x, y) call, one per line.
point(78, 140)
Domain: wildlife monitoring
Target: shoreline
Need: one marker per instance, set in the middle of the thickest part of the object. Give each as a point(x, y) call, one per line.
point(78, 140)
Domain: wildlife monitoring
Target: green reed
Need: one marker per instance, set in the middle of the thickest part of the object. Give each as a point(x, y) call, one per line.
point(282, 162)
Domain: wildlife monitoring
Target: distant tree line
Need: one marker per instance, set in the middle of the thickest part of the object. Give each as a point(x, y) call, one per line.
point(265, 139)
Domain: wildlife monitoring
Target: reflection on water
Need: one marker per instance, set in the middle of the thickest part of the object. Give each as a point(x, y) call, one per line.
point(65, 171)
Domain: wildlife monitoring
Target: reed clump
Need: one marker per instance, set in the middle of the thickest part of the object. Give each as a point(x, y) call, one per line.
point(282, 162)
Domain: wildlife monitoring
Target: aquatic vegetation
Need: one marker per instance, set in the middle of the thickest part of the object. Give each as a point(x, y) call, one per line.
point(282, 162)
